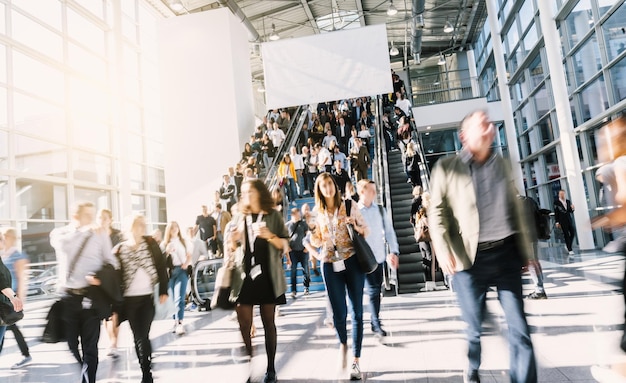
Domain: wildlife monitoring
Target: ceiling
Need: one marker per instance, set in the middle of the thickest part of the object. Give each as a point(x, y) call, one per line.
point(298, 18)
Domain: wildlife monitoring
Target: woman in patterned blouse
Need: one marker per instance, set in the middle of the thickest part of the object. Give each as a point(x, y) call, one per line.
point(340, 267)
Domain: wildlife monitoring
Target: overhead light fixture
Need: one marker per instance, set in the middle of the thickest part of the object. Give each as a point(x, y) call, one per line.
point(393, 51)
point(392, 10)
point(417, 58)
point(177, 6)
point(448, 28)
point(274, 36)
point(261, 89)
point(441, 60)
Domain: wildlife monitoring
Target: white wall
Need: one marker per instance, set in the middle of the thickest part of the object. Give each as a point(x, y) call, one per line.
point(451, 113)
point(207, 105)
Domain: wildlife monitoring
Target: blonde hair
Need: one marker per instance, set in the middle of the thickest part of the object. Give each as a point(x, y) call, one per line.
point(417, 191)
point(167, 237)
point(426, 200)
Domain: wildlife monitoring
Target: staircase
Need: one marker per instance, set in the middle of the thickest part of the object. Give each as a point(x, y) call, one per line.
point(411, 273)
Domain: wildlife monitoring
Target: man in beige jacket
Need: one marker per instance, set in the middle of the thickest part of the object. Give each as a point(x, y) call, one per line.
point(475, 221)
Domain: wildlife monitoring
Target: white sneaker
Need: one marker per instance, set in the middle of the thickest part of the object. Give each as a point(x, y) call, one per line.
point(571, 253)
point(355, 372)
point(180, 329)
point(112, 353)
point(23, 363)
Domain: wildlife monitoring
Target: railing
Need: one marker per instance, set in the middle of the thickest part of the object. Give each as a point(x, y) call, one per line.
point(445, 91)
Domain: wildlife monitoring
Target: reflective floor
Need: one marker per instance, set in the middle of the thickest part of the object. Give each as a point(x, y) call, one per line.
point(578, 327)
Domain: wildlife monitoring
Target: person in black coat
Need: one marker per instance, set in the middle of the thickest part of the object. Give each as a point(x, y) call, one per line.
point(563, 209)
point(5, 287)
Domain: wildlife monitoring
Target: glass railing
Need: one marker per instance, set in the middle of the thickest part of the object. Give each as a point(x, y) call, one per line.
point(445, 91)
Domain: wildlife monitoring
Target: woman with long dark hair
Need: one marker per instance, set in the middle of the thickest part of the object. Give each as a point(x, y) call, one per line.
point(260, 230)
point(340, 267)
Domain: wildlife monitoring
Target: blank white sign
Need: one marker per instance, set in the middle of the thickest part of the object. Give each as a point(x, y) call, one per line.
point(328, 66)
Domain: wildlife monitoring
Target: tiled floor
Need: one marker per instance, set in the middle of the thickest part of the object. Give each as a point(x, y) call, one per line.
point(579, 326)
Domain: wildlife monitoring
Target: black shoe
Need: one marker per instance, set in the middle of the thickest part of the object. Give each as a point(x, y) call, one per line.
point(471, 377)
point(316, 272)
point(270, 377)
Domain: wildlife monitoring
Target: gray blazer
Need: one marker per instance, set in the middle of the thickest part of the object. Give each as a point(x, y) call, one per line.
point(453, 217)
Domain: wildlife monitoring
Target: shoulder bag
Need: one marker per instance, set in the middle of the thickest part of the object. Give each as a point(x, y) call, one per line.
point(8, 315)
point(364, 253)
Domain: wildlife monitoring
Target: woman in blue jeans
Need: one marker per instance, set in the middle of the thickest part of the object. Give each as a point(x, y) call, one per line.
point(174, 246)
point(340, 266)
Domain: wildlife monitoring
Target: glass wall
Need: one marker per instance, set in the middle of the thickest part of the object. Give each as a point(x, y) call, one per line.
point(62, 121)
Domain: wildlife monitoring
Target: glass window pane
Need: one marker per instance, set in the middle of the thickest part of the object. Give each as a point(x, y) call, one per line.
point(594, 99)
point(138, 204)
point(3, 62)
point(545, 129)
point(40, 157)
point(4, 196)
point(133, 117)
point(34, 35)
point(614, 34)
point(530, 38)
point(4, 151)
point(3, 108)
point(129, 29)
point(94, 6)
point(101, 198)
point(129, 9)
point(158, 209)
point(39, 118)
point(618, 77)
point(579, 22)
point(37, 78)
point(155, 153)
point(135, 146)
point(3, 26)
point(40, 200)
point(156, 180)
point(91, 134)
point(536, 71)
point(605, 5)
point(512, 37)
point(86, 32)
point(136, 177)
point(88, 99)
point(526, 13)
point(543, 101)
point(587, 61)
point(87, 63)
point(36, 241)
point(48, 11)
point(92, 167)
point(131, 61)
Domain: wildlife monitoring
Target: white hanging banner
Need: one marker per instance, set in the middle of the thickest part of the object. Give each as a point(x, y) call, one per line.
point(328, 66)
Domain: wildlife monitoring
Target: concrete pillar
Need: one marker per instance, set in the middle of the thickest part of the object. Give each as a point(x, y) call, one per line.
point(505, 97)
point(565, 125)
point(207, 101)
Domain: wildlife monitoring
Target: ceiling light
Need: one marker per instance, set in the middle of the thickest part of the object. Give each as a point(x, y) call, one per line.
point(177, 6)
point(391, 11)
point(448, 28)
point(261, 89)
point(274, 36)
point(393, 51)
point(419, 21)
point(441, 60)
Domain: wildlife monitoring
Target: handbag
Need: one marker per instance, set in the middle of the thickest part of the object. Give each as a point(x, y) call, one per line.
point(8, 315)
point(54, 331)
point(221, 295)
point(364, 253)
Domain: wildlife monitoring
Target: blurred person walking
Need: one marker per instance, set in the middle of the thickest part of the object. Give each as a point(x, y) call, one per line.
point(261, 231)
point(17, 263)
point(475, 223)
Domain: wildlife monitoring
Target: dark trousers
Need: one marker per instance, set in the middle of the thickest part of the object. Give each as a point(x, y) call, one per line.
point(311, 182)
point(569, 232)
point(83, 323)
point(140, 312)
point(499, 267)
point(19, 338)
point(299, 256)
point(374, 284)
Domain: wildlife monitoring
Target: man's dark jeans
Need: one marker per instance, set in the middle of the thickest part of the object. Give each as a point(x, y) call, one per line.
point(374, 284)
point(302, 258)
point(499, 267)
